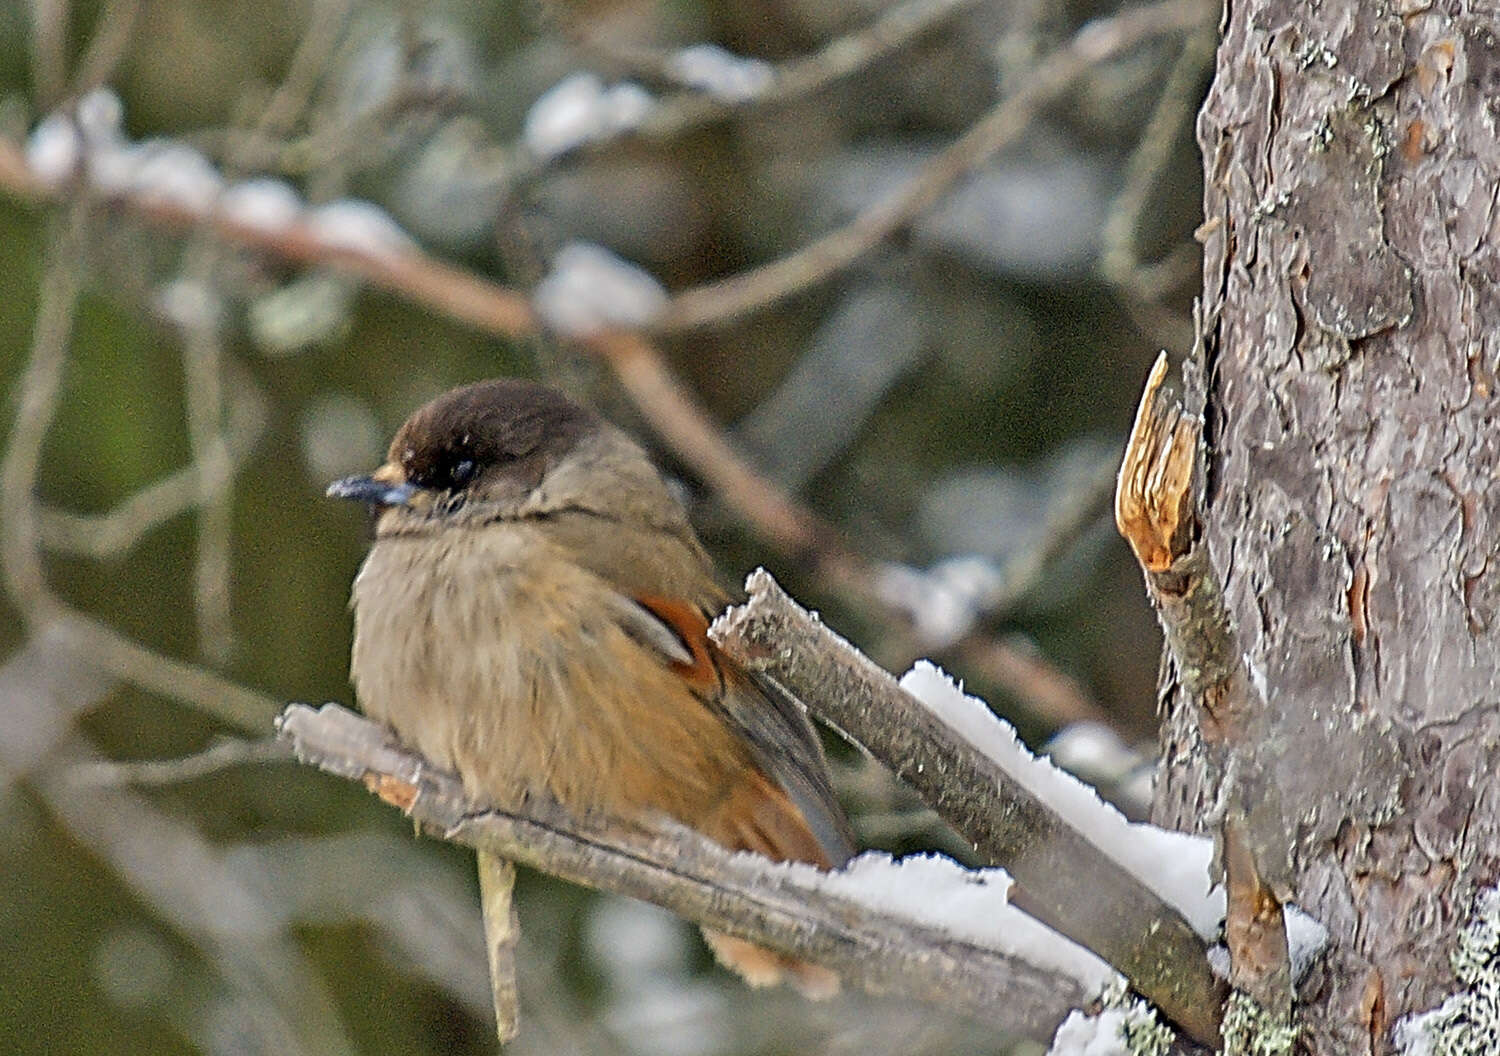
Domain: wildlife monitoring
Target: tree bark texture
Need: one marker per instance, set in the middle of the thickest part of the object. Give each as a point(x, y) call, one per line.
point(1350, 333)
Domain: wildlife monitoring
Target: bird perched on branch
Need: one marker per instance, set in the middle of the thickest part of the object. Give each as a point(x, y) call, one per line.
point(533, 616)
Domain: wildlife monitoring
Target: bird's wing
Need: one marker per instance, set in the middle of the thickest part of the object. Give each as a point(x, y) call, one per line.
point(769, 719)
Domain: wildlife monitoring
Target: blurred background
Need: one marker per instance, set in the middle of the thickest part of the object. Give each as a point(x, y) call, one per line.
point(947, 406)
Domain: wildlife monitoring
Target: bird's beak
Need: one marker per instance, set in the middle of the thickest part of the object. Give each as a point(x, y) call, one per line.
point(384, 487)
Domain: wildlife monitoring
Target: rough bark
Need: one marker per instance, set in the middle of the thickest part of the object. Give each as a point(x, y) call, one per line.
point(1351, 306)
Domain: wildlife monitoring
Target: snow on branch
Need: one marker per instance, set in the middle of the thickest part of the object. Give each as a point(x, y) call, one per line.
point(1003, 803)
point(924, 927)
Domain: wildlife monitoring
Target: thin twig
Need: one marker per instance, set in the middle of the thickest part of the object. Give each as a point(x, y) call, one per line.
point(39, 390)
point(502, 936)
point(1064, 878)
point(1145, 285)
point(101, 536)
point(729, 299)
point(308, 66)
point(130, 661)
point(207, 896)
point(1020, 670)
point(743, 895)
point(203, 396)
point(20, 534)
point(637, 363)
point(689, 432)
point(113, 30)
point(1074, 512)
point(221, 755)
point(49, 49)
point(895, 28)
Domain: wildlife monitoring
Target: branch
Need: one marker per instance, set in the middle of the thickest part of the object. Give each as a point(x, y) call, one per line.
point(785, 908)
point(728, 299)
point(1065, 878)
point(1156, 512)
point(672, 117)
point(215, 759)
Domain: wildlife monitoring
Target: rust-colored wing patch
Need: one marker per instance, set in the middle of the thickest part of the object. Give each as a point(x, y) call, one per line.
point(690, 626)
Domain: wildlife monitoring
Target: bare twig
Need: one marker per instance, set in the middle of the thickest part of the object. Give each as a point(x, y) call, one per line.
point(502, 935)
point(130, 661)
point(895, 28)
point(1074, 512)
point(688, 431)
point(120, 528)
point(1064, 879)
point(112, 32)
point(20, 535)
point(20, 540)
point(637, 363)
point(1142, 285)
point(49, 48)
point(208, 898)
point(1020, 670)
point(728, 299)
point(219, 756)
point(203, 368)
point(742, 895)
point(307, 68)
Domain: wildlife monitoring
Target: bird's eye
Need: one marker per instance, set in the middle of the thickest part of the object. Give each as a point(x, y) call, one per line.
point(462, 473)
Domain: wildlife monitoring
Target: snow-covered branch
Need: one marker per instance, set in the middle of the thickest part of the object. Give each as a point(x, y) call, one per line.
point(1080, 866)
point(922, 927)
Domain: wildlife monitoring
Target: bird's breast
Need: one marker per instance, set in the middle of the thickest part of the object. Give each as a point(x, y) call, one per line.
point(495, 656)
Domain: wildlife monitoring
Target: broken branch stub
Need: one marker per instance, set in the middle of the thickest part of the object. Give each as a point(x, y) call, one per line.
point(1153, 500)
point(1156, 511)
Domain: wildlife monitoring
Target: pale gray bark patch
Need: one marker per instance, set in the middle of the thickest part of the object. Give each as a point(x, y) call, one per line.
point(1354, 285)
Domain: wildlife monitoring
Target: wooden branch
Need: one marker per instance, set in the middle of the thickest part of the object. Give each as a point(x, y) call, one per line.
point(1156, 511)
point(502, 934)
point(743, 895)
point(1065, 881)
point(676, 115)
point(725, 300)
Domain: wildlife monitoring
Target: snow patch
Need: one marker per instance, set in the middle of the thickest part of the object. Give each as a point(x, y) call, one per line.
point(970, 906)
point(579, 108)
point(53, 150)
point(265, 205)
point(164, 172)
point(1172, 864)
point(1306, 938)
point(1126, 1027)
point(944, 601)
point(190, 304)
point(590, 290)
point(728, 77)
point(359, 227)
point(101, 116)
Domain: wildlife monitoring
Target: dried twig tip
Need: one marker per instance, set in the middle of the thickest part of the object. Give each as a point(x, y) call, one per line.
point(1153, 498)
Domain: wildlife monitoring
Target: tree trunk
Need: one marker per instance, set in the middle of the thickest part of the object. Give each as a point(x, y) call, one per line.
point(1351, 307)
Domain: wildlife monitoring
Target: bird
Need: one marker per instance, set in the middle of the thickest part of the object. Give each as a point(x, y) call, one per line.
point(533, 616)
